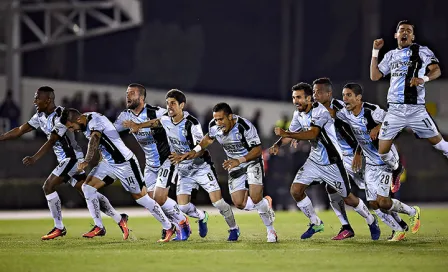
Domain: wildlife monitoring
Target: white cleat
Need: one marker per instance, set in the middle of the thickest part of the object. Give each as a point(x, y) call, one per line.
point(272, 236)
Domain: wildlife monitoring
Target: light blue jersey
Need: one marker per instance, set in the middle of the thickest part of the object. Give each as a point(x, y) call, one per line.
point(345, 136)
point(403, 64)
point(325, 148)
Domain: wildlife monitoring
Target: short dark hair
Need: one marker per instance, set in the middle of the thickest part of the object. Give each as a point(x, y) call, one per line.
point(176, 94)
point(47, 90)
point(223, 107)
point(69, 115)
point(305, 87)
point(140, 88)
point(324, 81)
point(355, 87)
point(405, 22)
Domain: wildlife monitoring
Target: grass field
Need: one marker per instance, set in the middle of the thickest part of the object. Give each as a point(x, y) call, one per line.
point(22, 250)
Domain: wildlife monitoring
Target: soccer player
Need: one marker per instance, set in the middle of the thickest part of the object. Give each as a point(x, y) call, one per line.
point(313, 122)
point(323, 93)
point(118, 162)
point(67, 153)
point(242, 145)
point(411, 66)
point(184, 132)
point(155, 145)
point(362, 117)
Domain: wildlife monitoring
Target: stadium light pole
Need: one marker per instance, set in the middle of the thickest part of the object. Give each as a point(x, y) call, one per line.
point(63, 21)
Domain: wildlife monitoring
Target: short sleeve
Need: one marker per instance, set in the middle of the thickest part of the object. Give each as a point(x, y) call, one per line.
point(383, 66)
point(295, 125)
point(320, 117)
point(212, 129)
point(160, 112)
point(427, 56)
point(34, 121)
point(342, 114)
point(96, 124)
point(251, 135)
point(119, 122)
point(378, 115)
point(59, 128)
point(196, 132)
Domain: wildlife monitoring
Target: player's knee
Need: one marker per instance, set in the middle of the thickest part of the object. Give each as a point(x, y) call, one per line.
point(239, 205)
point(48, 187)
point(374, 205)
point(87, 190)
point(184, 208)
point(256, 198)
point(384, 203)
point(298, 195)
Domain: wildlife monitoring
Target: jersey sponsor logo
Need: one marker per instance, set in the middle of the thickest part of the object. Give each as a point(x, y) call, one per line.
point(233, 147)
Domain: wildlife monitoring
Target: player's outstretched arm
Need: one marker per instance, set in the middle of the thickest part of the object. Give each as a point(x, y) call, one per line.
point(48, 145)
point(253, 154)
point(195, 153)
point(134, 127)
point(91, 149)
point(357, 160)
point(302, 135)
point(273, 150)
point(375, 73)
point(434, 73)
point(16, 132)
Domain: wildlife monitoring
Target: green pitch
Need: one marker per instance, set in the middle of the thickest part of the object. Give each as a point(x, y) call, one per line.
point(22, 250)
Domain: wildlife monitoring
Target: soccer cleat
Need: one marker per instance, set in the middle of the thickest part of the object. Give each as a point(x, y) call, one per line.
point(272, 236)
point(123, 224)
point(375, 231)
point(95, 231)
point(396, 174)
point(344, 233)
point(312, 230)
point(167, 234)
point(203, 229)
point(55, 232)
point(184, 231)
point(234, 234)
point(414, 221)
point(271, 210)
point(397, 236)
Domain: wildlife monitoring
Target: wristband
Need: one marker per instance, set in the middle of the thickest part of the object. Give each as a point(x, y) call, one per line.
point(242, 159)
point(425, 78)
point(197, 148)
point(375, 53)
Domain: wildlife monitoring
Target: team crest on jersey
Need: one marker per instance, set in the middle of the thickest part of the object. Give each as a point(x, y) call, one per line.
point(238, 136)
point(408, 53)
point(364, 121)
point(184, 132)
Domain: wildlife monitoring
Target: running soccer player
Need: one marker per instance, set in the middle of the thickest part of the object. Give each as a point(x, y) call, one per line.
point(67, 154)
point(242, 145)
point(118, 162)
point(184, 133)
point(156, 148)
point(362, 117)
point(313, 122)
point(411, 66)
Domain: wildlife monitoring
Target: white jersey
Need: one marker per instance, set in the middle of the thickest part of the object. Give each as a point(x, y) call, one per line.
point(402, 65)
point(345, 136)
point(153, 141)
point(183, 137)
point(238, 141)
point(113, 149)
point(66, 146)
point(370, 116)
point(325, 148)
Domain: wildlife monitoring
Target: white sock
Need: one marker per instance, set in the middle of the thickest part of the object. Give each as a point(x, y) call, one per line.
point(90, 193)
point(338, 205)
point(307, 208)
point(226, 211)
point(390, 159)
point(191, 210)
point(362, 210)
point(263, 210)
point(154, 208)
point(396, 216)
point(250, 206)
point(388, 220)
point(442, 146)
point(107, 208)
point(54, 203)
point(172, 211)
point(400, 207)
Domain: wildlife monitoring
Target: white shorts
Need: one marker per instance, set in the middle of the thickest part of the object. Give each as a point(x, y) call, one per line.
point(251, 174)
point(378, 179)
point(128, 173)
point(334, 175)
point(68, 169)
point(161, 176)
point(203, 176)
point(415, 117)
point(358, 177)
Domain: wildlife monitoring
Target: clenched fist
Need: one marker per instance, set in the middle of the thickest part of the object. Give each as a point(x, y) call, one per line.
point(378, 44)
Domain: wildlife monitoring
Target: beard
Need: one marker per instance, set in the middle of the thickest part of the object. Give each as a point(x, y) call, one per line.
point(134, 104)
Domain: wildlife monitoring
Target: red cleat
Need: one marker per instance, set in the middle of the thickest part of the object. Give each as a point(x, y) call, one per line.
point(123, 224)
point(55, 232)
point(95, 231)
